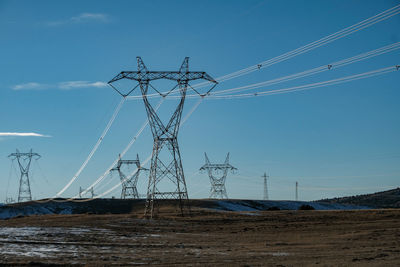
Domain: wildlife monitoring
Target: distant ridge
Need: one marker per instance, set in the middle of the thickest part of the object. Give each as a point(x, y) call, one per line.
point(384, 199)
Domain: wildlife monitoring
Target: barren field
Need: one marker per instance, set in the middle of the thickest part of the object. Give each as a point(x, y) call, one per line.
point(272, 238)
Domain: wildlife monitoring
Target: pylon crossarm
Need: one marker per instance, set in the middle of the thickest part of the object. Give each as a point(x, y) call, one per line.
point(158, 75)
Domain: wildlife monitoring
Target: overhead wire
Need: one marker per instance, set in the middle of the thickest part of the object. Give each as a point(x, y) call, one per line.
point(133, 140)
point(325, 40)
point(101, 177)
point(303, 49)
point(285, 90)
point(99, 141)
point(148, 158)
point(316, 70)
point(277, 91)
point(312, 85)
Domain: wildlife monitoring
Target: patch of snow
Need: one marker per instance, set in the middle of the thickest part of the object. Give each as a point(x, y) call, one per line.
point(42, 251)
point(280, 254)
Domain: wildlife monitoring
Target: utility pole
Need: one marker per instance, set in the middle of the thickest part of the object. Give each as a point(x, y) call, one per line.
point(24, 161)
point(166, 159)
point(129, 183)
point(265, 176)
point(297, 193)
point(218, 190)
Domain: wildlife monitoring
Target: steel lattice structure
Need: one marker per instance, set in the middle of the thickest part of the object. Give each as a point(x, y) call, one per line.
point(129, 183)
point(218, 189)
point(164, 135)
point(265, 176)
point(24, 162)
point(84, 191)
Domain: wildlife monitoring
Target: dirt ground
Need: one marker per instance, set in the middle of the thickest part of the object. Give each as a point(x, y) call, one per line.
point(206, 238)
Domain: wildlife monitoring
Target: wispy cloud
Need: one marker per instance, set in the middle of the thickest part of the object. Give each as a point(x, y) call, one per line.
point(82, 18)
point(69, 85)
point(12, 134)
point(80, 84)
point(29, 86)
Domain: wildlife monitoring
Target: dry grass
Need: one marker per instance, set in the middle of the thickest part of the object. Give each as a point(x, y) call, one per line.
point(274, 238)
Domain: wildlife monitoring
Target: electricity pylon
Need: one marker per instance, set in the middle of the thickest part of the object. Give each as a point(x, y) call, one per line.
point(24, 162)
point(297, 193)
point(218, 189)
point(265, 176)
point(166, 159)
point(84, 191)
point(129, 182)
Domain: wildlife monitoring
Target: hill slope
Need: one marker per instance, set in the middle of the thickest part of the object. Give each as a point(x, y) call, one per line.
point(123, 206)
point(384, 199)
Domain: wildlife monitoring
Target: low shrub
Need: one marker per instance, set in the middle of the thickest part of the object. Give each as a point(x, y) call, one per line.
point(306, 207)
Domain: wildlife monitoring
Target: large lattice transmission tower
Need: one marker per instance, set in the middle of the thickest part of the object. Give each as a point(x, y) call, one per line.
point(24, 161)
point(129, 183)
point(166, 159)
point(218, 189)
point(265, 176)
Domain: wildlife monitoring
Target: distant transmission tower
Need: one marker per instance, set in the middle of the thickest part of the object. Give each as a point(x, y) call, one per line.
point(83, 191)
point(129, 189)
point(166, 159)
point(218, 189)
point(297, 193)
point(24, 162)
point(265, 176)
point(92, 192)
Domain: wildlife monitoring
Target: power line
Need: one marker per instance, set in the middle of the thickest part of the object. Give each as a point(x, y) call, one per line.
point(316, 70)
point(105, 131)
point(330, 38)
point(306, 73)
point(312, 85)
point(303, 49)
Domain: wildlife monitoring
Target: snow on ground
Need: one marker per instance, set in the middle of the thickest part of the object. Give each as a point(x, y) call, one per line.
point(33, 241)
point(7, 212)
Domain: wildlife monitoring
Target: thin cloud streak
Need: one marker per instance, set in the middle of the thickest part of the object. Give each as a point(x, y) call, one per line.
point(11, 134)
point(29, 86)
point(69, 85)
point(81, 18)
point(80, 84)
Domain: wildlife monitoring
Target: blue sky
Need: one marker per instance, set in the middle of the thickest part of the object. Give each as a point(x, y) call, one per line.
point(339, 140)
